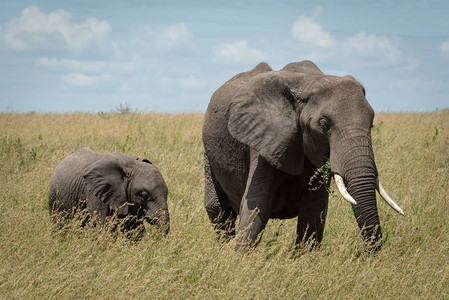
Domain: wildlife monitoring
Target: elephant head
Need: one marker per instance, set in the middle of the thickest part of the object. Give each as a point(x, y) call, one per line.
point(130, 188)
point(298, 114)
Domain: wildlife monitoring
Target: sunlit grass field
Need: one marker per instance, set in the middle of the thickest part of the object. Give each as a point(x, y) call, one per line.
point(412, 155)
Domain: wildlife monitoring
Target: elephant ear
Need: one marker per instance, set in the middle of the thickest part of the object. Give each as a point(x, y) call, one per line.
point(106, 180)
point(263, 115)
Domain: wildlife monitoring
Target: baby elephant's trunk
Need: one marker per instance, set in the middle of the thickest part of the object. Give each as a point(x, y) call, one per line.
point(161, 220)
point(164, 222)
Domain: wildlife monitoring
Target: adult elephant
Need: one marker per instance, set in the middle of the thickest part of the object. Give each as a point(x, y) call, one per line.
point(109, 185)
point(265, 133)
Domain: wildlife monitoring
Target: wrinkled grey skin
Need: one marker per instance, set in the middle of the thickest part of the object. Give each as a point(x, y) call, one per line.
point(110, 184)
point(265, 132)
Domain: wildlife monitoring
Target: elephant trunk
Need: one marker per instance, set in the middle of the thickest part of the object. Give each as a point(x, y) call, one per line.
point(164, 222)
point(362, 188)
point(160, 219)
point(353, 159)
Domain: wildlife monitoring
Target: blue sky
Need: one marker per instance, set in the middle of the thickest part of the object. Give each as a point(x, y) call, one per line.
point(170, 56)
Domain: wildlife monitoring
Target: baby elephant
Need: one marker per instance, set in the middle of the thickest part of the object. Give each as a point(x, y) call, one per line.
point(108, 185)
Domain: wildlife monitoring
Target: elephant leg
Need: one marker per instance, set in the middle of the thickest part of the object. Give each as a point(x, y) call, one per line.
point(256, 203)
point(312, 216)
point(223, 217)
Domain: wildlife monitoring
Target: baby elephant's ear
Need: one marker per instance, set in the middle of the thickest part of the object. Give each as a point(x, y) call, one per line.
point(105, 179)
point(144, 160)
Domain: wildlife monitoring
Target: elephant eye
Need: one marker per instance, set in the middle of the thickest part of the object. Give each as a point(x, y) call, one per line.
point(324, 125)
point(144, 194)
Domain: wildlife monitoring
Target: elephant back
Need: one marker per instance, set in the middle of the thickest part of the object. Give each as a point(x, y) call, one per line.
point(67, 186)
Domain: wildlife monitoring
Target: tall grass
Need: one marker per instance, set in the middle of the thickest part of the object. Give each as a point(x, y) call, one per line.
point(412, 155)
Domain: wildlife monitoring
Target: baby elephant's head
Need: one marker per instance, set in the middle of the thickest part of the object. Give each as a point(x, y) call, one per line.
point(130, 187)
point(147, 193)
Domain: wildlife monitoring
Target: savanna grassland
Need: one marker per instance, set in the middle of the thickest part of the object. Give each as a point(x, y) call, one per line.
point(412, 155)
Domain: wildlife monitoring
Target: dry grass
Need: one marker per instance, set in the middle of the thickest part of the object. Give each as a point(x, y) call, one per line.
point(412, 153)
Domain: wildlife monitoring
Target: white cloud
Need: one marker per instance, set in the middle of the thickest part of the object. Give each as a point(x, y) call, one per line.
point(356, 51)
point(412, 63)
point(85, 81)
point(174, 34)
point(87, 66)
point(307, 30)
point(238, 52)
point(445, 47)
point(371, 49)
point(90, 74)
point(379, 48)
point(34, 30)
point(148, 40)
point(57, 64)
point(187, 83)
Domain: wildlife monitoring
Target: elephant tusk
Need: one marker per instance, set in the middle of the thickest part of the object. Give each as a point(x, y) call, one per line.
point(343, 190)
point(387, 198)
